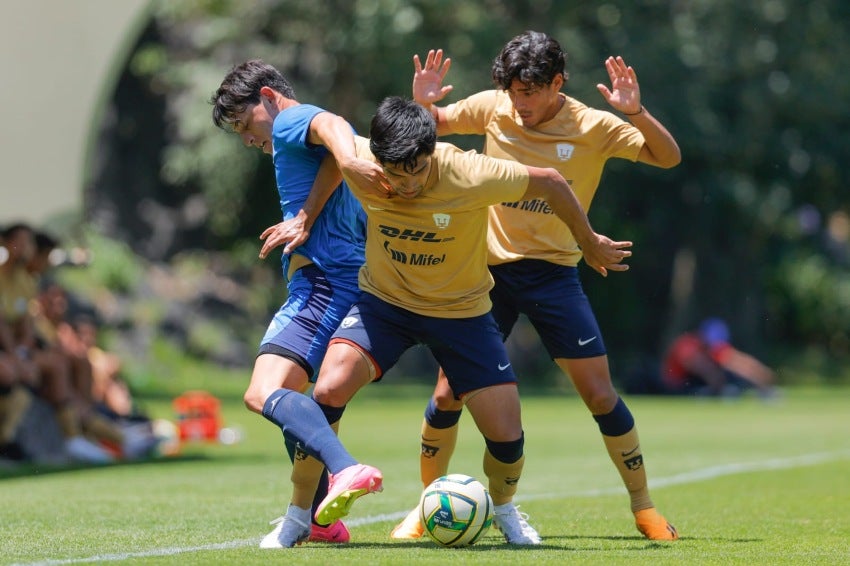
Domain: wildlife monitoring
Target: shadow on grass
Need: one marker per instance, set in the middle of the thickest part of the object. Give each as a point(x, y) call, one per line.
point(28, 469)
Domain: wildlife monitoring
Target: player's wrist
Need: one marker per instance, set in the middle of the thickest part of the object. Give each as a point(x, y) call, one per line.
point(639, 112)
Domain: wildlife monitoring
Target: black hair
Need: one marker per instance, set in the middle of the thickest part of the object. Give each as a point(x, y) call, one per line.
point(241, 88)
point(532, 57)
point(402, 131)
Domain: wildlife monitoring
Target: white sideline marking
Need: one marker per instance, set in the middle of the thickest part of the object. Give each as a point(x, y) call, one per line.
point(678, 479)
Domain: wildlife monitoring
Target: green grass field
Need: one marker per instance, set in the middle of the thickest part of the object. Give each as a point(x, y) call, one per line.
point(745, 482)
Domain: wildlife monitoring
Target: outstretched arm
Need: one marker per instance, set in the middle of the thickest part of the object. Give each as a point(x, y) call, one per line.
point(296, 230)
point(660, 149)
point(428, 86)
point(335, 133)
point(600, 252)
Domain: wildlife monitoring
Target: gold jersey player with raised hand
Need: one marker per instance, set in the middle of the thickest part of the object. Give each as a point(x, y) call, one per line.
point(425, 281)
point(532, 254)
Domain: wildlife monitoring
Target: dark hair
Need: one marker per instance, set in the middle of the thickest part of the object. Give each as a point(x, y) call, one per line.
point(401, 131)
point(11, 230)
point(45, 242)
point(241, 88)
point(532, 57)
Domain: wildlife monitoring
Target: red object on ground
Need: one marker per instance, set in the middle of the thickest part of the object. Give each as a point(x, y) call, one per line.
point(198, 416)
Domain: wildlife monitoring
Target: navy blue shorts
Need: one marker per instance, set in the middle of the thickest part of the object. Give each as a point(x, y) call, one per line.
point(470, 350)
point(552, 298)
point(314, 308)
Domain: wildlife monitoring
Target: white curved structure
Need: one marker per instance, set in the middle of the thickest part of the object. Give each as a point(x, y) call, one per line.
point(58, 59)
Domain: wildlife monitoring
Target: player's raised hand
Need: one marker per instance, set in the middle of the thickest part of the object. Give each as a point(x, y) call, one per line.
point(292, 232)
point(428, 81)
point(624, 94)
point(604, 254)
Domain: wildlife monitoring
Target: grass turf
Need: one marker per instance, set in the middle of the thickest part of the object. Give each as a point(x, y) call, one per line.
point(745, 482)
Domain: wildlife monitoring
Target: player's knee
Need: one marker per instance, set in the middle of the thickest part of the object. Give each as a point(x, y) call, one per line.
point(442, 418)
point(445, 401)
point(601, 400)
point(253, 400)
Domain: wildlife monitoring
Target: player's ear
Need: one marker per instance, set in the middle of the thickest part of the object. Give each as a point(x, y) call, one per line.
point(558, 82)
point(267, 92)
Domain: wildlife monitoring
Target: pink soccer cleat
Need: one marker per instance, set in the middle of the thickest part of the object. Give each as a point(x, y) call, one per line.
point(344, 489)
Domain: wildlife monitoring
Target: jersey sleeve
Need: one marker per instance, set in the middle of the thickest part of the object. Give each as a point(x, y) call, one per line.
point(471, 115)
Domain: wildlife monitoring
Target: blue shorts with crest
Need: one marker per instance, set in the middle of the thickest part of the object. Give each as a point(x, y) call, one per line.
point(302, 327)
point(470, 350)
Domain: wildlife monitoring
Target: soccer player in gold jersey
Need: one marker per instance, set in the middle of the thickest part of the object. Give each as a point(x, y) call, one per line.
point(532, 254)
point(425, 281)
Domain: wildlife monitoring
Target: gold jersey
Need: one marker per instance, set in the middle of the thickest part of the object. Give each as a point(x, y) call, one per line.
point(577, 142)
point(17, 290)
point(428, 254)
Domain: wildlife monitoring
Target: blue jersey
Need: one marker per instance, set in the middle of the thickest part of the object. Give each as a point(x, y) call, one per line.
point(337, 238)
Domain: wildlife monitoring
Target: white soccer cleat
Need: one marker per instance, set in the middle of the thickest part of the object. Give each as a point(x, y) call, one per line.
point(514, 525)
point(290, 530)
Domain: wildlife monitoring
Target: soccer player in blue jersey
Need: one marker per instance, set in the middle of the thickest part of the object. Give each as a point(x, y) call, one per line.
point(532, 254)
point(324, 229)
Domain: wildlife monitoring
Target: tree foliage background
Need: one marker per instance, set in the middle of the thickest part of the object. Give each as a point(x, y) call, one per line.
point(752, 226)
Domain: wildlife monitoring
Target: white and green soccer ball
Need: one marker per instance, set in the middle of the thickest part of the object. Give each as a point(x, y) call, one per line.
point(456, 510)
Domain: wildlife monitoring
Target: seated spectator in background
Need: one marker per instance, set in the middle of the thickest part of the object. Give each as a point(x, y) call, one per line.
point(703, 362)
point(55, 331)
point(110, 391)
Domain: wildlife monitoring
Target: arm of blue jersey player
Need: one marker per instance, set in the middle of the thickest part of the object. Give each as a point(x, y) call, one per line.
point(336, 134)
point(659, 148)
point(600, 252)
point(296, 230)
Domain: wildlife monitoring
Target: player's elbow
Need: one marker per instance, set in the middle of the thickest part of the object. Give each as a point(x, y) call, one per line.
point(671, 159)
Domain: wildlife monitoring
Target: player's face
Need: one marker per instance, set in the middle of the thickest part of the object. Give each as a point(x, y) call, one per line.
point(254, 126)
point(408, 183)
point(536, 104)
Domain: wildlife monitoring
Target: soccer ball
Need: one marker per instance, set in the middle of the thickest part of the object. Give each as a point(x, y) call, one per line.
point(456, 510)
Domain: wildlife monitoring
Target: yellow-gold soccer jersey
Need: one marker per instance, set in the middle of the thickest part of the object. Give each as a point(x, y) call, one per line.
point(576, 142)
point(429, 254)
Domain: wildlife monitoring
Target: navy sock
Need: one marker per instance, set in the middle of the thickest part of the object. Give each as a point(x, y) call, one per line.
point(302, 422)
point(440, 419)
point(616, 423)
point(506, 452)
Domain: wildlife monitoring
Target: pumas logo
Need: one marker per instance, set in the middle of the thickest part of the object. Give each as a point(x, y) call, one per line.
point(564, 150)
point(429, 451)
point(349, 321)
point(442, 220)
point(635, 463)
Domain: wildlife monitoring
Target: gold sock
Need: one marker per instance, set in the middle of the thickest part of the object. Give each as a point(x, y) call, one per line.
point(13, 408)
point(438, 445)
point(502, 478)
point(306, 473)
point(626, 455)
